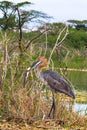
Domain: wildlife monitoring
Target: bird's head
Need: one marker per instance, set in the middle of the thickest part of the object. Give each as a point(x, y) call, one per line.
point(39, 64)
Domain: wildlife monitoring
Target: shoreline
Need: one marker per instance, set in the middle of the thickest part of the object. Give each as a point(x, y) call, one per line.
point(72, 69)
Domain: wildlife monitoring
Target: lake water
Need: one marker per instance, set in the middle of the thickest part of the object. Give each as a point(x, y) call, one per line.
point(80, 108)
point(79, 81)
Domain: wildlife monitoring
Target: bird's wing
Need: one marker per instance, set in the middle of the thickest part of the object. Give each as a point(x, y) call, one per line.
point(57, 83)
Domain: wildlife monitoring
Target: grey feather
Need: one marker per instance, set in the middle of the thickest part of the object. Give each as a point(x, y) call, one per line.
point(57, 83)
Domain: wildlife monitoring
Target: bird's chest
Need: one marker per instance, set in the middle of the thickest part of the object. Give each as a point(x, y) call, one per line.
point(39, 75)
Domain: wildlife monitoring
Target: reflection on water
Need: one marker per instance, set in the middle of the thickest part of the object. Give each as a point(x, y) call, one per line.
point(80, 108)
point(79, 80)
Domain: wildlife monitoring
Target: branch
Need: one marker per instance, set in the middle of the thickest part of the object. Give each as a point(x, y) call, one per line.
point(33, 39)
point(20, 29)
point(57, 44)
point(46, 41)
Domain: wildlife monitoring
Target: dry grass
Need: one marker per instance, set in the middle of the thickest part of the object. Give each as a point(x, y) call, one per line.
point(32, 103)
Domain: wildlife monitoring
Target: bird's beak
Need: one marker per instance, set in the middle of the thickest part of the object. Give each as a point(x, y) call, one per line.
point(35, 64)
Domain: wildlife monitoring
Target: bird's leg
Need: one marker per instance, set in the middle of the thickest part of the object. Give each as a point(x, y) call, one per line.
point(52, 107)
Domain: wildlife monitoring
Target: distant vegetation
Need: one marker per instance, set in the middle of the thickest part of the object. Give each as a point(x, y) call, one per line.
point(15, 18)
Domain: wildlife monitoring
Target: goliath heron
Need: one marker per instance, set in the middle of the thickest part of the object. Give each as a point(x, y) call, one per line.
point(54, 80)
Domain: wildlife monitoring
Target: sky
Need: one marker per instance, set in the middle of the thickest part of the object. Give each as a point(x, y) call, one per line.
point(61, 10)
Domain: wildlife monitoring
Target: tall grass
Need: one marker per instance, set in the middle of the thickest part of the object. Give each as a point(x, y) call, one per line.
point(34, 101)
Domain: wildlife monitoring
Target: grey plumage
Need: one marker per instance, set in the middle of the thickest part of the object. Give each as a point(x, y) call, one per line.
point(57, 83)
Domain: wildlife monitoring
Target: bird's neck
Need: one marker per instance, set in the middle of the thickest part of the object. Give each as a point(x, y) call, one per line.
point(38, 73)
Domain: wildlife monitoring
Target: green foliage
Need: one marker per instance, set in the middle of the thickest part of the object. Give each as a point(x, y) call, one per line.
point(13, 15)
point(76, 39)
point(23, 4)
point(8, 18)
point(78, 24)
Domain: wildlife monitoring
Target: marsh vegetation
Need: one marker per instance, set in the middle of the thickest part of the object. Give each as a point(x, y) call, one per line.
point(27, 108)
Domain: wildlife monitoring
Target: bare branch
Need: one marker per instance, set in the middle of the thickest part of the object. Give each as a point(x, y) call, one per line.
point(57, 44)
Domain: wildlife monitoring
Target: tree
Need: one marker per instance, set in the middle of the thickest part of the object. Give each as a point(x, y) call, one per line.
point(15, 16)
point(79, 24)
point(24, 17)
point(11, 13)
point(7, 20)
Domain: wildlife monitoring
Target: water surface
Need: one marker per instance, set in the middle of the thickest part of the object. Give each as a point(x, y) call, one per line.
point(79, 81)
